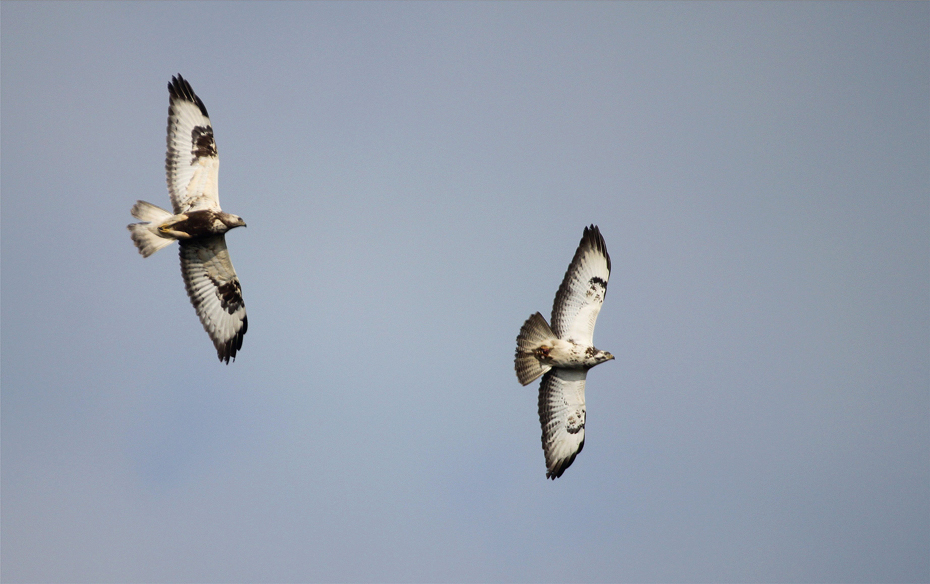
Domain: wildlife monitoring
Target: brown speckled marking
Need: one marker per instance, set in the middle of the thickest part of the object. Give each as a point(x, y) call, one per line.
point(574, 423)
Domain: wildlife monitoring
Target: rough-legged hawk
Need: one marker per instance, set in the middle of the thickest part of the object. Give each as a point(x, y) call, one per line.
point(198, 223)
point(565, 352)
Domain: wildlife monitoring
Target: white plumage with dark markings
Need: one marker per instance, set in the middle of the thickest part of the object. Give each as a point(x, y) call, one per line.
point(563, 353)
point(197, 224)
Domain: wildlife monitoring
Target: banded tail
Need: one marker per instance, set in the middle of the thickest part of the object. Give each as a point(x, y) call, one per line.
point(534, 333)
point(145, 235)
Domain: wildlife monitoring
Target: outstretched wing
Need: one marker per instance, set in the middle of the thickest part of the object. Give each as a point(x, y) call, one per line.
point(581, 295)
point(192, 165)
point(562, 416)
point(214, 290)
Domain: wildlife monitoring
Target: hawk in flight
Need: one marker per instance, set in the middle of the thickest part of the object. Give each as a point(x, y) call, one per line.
point(564, 352)
point(198, 223)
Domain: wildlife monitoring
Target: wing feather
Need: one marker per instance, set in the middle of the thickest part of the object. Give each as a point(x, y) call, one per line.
point(191, 164)
point(562, 416)
point(214, 290)
point(581, 295)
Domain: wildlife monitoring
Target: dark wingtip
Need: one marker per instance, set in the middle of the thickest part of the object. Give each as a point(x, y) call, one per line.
point(556, 472)
point(228, 350)
point(179, 89)
point(592, 235)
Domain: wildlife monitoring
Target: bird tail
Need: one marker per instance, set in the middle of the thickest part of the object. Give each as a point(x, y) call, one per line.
point(534, 333)
point(145, 235)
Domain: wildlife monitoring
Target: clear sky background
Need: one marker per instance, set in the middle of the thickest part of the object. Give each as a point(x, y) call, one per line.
point(415, 178)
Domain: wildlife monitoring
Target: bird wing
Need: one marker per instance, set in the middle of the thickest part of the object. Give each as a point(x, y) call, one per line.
point(562, 416)
point(214, 290)
point(192, 165)
point(581, 295)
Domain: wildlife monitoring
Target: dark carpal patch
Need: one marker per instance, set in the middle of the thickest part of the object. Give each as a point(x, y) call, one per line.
point(203, 144)
point(230, 295)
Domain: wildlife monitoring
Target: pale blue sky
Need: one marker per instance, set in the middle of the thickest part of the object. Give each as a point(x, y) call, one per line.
point(415, 177)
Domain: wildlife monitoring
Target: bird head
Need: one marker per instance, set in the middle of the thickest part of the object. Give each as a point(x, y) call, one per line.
point(232, 221)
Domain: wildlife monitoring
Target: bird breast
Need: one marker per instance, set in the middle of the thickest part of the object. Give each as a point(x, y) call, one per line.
point(194, 224)
point(568, 354)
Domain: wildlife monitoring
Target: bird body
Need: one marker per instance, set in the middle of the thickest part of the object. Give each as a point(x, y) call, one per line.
point(563, 353)
point(162, 225)
point(539, 350)
point(198, 223)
